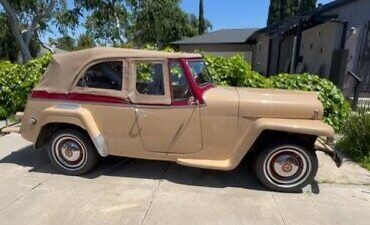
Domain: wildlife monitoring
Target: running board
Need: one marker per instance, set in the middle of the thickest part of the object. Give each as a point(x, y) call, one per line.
point(207, 164)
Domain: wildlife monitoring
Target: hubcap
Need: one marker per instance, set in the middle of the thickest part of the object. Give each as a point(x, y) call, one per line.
point(287, 167)
point(69, 152)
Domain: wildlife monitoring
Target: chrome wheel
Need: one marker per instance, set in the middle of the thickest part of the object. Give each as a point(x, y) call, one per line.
point(69, 152)
point(287, 167)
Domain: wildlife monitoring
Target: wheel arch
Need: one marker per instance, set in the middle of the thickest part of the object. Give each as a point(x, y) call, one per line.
point(264, 128)
point(75, 117)
point(272, 136)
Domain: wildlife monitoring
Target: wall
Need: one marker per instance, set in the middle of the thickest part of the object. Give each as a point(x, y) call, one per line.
point(357, 14)
point(220, 49)
point(261, 54)
point(318, 44)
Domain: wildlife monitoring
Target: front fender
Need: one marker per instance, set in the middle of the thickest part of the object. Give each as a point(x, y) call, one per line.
point(76, 115)
point(297, 126)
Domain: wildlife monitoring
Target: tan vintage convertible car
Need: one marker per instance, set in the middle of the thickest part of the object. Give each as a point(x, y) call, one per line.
point(163, 106)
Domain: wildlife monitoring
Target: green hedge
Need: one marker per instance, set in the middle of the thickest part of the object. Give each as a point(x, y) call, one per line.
point(234, 71)
point(16, 82)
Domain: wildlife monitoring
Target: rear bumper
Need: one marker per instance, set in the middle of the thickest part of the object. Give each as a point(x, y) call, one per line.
point(329, 149)
point(11, 128)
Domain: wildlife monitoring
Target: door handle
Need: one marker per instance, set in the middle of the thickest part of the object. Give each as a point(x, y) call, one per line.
point(140, 113)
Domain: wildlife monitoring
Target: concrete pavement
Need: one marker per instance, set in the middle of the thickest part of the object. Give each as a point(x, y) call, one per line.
point(130, 191)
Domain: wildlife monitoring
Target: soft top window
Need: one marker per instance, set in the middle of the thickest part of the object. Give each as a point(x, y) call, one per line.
point(104, 75)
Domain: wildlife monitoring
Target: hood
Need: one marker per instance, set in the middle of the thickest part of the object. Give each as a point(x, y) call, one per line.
point(274, 103)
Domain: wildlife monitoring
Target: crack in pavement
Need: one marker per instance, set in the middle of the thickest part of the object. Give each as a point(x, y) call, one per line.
point(25, 193)
point(277, 206)
point(154, 193)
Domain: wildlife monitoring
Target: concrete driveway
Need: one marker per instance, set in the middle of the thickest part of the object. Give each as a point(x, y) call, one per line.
point(123, 191)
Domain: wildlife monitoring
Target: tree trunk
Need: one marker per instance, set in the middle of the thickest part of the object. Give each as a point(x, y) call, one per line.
point(13, 20)
point(23, 38)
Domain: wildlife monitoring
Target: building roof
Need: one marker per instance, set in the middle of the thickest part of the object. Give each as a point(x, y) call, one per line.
point(224, 36)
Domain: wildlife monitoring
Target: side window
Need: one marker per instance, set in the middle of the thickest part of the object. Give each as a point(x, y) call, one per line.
point(149, 78)
point(180, 88)
point(104, 75)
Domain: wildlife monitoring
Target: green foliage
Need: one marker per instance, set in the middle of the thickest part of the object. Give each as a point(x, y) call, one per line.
point(282, 9)
point(356, 135)
point(234, 71)
point(202, 23)
point(336, 108)
point(68, 43)
point(16, 82)
point(161, 22)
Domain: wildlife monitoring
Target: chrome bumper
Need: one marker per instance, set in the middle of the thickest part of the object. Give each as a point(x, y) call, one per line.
point(329, 149)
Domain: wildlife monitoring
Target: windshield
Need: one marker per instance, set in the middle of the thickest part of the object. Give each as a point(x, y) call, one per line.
point(199, 72)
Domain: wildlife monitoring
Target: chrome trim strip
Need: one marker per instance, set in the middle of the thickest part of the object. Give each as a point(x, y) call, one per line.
point(100, 145)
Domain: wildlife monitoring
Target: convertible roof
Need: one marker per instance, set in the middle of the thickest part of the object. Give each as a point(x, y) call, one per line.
point(64, 67)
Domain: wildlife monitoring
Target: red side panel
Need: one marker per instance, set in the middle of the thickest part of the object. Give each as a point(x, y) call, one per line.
point(77, 97)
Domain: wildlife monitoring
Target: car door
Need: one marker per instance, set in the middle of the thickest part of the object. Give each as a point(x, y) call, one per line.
point(101, 88)
point(168, 122)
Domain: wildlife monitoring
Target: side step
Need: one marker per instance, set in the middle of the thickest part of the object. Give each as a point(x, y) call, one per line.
point(207, 164)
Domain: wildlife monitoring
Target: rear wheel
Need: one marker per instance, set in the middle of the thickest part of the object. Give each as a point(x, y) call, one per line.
point(286, 167)
point(72, 152)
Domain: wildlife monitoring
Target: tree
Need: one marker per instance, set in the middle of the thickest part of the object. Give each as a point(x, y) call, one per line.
point(282, 9)
point(159, 22)
point(25, 17)
point(202, 22)
point(85, 41)
point(306, 5)
point(108, 20)
point(9, 49)
point(66, 43)
point(274, 12)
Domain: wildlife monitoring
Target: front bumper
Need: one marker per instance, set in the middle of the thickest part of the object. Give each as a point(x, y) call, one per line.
point(328, 148)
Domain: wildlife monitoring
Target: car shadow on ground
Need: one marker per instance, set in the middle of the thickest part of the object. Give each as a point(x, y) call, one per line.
point(241, 177)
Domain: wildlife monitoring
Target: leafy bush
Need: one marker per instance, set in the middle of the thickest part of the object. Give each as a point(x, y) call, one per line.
point(16, 82)
point(336, 108)
point(356, 138)
point(234, 71)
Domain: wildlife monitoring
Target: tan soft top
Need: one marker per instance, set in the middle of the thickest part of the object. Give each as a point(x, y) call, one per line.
point(64, 67)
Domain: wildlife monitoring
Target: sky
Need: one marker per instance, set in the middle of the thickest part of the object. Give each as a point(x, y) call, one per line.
point(233, 13)
point(223, 14)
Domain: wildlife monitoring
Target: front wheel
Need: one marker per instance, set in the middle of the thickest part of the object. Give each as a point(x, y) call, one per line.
point(286, 167)
point(72, 152)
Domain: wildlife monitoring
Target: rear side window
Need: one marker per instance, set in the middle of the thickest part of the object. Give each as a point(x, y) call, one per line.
point(149, 78)
point(104, 75)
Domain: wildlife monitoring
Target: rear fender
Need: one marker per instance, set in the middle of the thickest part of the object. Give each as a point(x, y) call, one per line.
point(76, 115)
